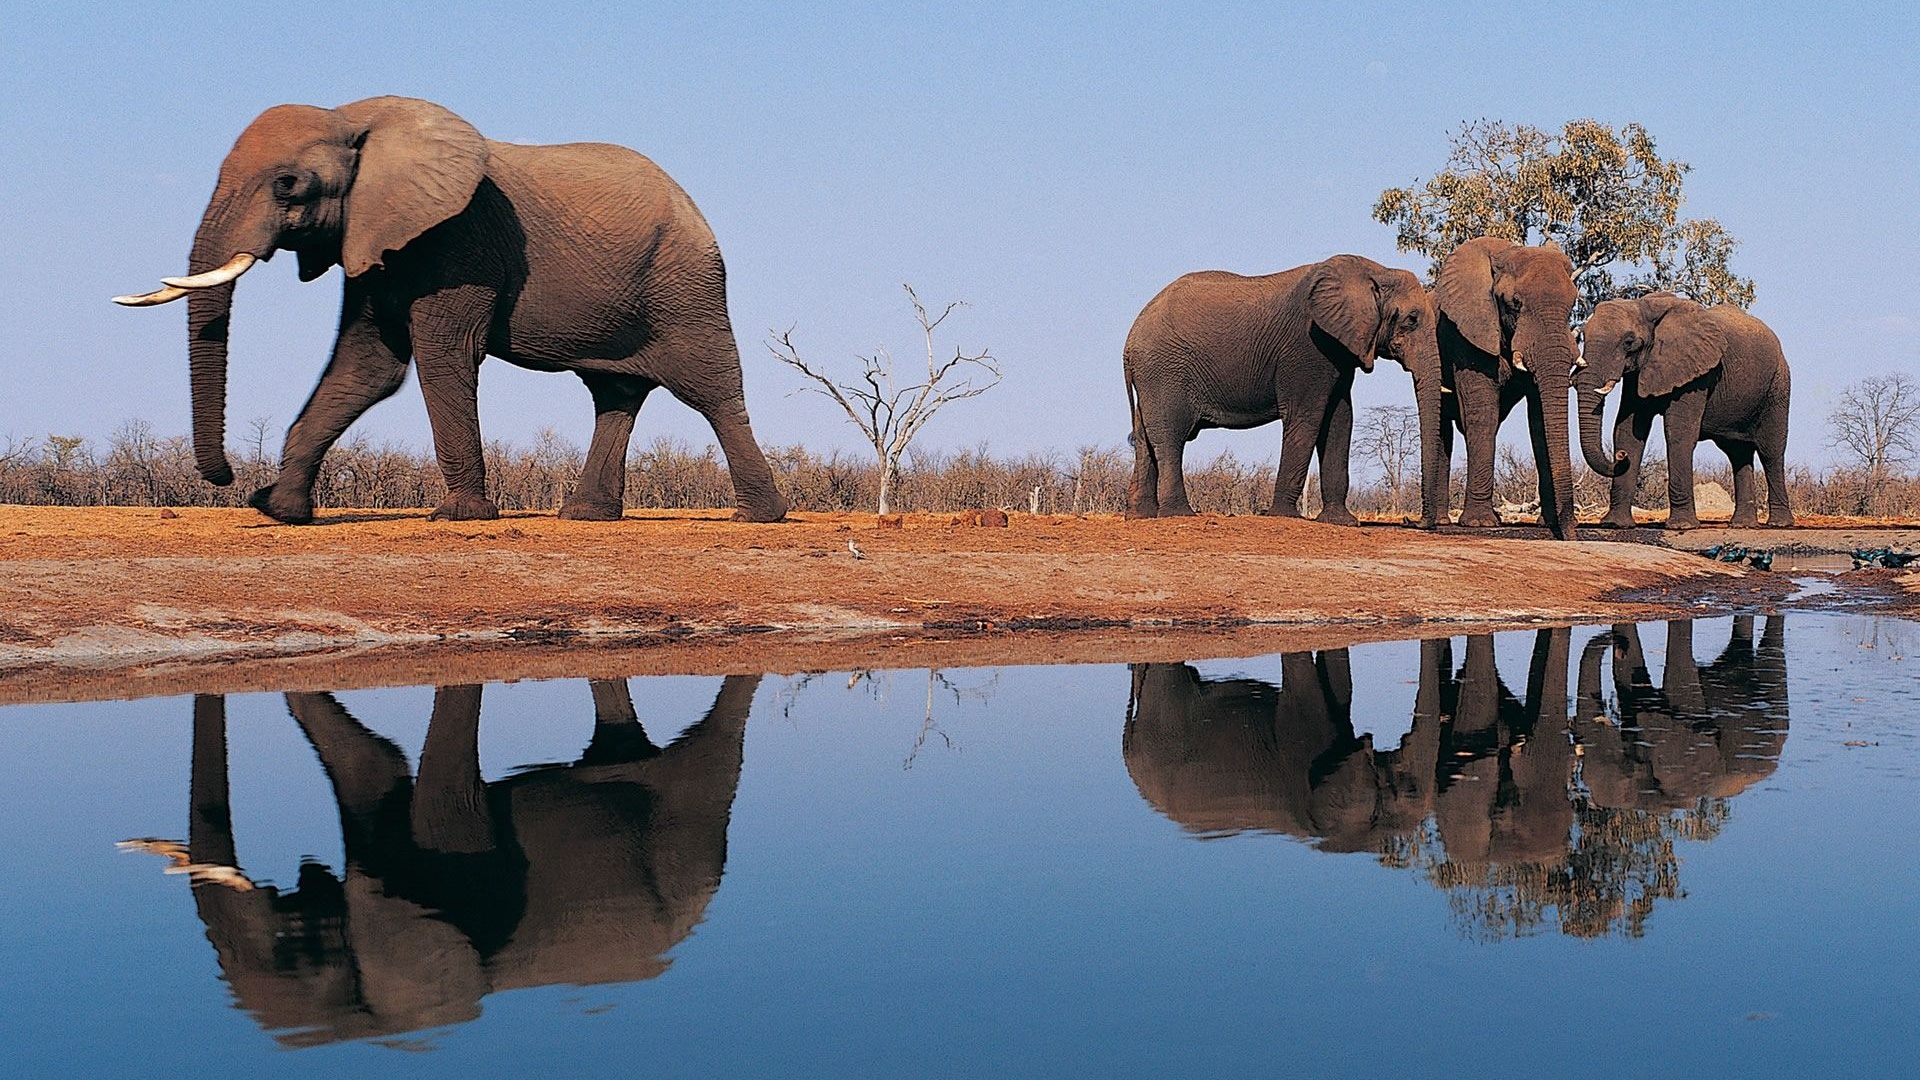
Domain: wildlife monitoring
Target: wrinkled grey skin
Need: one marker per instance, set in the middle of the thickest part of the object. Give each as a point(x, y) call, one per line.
point(1504, 338)
point(455, 888)
point(1707, 732)
point(1712, 372)
point(581, 257)
point(1220, 350)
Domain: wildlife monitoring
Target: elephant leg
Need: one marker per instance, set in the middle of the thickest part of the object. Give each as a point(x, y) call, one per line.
point(1682, 420)
point(1335, 448)
point(1773, 459)
point(449, 342)
point(1168, 429)
point(1298, 437)
point(1745, 500)
point(369, 363)
point(700, 365)
point(601, 494)
point(1630, 431)
point(450, 811)
point(1480, 421)
point(1143, 491)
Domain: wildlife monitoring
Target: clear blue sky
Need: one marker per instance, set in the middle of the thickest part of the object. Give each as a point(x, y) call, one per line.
point(1052, 164)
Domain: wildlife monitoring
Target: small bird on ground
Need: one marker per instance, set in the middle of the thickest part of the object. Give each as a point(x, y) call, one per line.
point(1733, 553)
point(855, 549)
point(1761, 560)
point(1714, 551)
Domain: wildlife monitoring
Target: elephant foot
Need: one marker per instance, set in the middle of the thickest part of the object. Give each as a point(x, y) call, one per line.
point(1778, 521)
point(1479, 519)
point(1615, 521)
point(1141, 513)
point(1744, 521)
point(1682, 524)
point(1336, 515)
point(590, 510)
point(464, 508)
point(290, 511)
point(763, 513)
point(1282, 510)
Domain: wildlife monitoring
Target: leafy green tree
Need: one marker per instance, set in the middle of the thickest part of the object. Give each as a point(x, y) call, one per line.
point(1606, 197)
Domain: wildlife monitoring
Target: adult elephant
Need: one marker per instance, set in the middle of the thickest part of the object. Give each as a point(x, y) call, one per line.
point(582, 257)
point(1220, 350)
point(1711, 372)
point(1505, 337)
point(455, 888)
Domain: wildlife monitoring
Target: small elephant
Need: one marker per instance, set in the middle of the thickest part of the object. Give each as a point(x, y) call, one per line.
point(581, 257)
point(1505, 313)
point(1216, 349)
point(1713, 372)
point(455, 888)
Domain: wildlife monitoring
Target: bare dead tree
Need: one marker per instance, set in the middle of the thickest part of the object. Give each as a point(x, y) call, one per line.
point(888, 414)
point(1390, 434)
point(1876, 422)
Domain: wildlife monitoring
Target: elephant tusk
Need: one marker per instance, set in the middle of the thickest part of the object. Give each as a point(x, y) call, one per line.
point(221, 275)
point(1608, 388)
point(1579, 363)
point(1519, 364)
point(1446, 389)
point(158, 296)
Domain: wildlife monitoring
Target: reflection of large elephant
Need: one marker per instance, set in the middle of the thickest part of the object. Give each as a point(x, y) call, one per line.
point(1708, 732)
point(455, 888)
point(1218, 350)
point(1711, 372)
point(582, 257)
point(1504, 337)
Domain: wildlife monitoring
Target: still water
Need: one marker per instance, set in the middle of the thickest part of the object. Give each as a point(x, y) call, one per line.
point(1672, 849)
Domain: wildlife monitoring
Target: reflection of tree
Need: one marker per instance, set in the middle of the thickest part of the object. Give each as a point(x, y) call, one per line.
point(1524, 817)
point(878, 685)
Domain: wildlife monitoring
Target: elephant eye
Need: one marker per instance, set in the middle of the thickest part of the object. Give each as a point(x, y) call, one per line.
point(284, 184)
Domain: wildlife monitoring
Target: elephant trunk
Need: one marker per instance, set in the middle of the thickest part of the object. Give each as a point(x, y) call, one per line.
point(1553, 405)
point(208, 312)
point(1433, 490)
point(1593, 411)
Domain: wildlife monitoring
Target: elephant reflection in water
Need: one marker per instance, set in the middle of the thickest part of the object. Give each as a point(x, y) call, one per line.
point(454, 887)
point(1513, 808)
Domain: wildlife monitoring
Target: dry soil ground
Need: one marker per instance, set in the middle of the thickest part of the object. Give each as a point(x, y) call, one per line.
point(125, 601)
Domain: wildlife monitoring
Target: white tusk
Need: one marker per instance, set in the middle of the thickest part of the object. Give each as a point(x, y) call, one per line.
point(1579, 363)
point(158, 296)
point(234, 267)
point(1446, 389)
point(1518, 363)
point(1608, 389)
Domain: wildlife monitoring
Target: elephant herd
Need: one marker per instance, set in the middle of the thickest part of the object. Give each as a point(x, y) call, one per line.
point(455, 887)
point(1219, 350)
point(588, 258)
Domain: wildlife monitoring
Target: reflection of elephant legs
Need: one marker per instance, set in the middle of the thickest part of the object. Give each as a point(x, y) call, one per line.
point(617, 734)
point(602, 490)
point(451, 812)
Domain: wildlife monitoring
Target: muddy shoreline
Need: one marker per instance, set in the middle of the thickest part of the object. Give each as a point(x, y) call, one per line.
point(122, 602)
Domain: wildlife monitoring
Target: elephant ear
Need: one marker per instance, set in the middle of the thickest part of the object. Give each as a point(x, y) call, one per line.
point(419, 166)
point(1344, 300)
point(1687, 343)
point(1464, 292)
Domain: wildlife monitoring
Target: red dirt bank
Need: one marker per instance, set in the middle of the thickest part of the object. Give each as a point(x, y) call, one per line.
point(103, 602)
